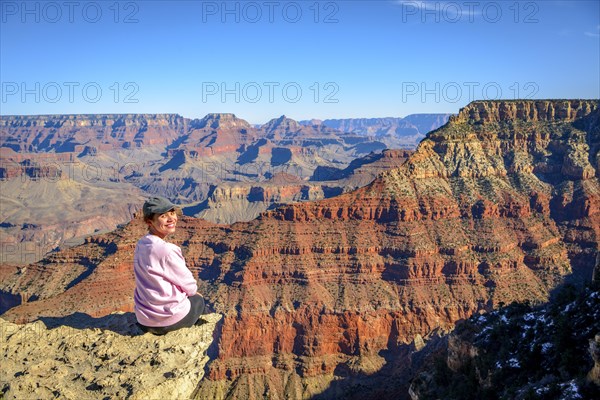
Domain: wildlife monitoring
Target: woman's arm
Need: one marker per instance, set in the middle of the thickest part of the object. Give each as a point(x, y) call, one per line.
point(178, 273)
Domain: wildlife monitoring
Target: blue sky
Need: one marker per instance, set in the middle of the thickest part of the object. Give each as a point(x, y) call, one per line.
point(304, 59)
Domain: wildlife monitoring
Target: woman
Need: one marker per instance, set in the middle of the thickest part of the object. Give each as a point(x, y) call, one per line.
point(165, 296)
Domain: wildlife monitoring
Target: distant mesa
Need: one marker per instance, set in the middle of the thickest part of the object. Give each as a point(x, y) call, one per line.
point(411, 125)
point(312, 122)
point(87, 134)
point(281, 123)
point(224, 121)
point(72, 133)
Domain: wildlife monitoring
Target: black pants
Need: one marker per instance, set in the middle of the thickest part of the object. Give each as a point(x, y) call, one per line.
point(196, 310)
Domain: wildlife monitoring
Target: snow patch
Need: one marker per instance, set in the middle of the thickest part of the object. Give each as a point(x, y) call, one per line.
point(546, 347)
point(514, 363)
point(571, 390)
point(529, 316)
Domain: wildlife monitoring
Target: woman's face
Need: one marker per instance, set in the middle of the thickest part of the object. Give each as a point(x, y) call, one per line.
point(163, 224)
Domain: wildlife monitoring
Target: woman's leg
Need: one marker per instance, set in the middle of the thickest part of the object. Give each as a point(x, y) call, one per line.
point(196, 309)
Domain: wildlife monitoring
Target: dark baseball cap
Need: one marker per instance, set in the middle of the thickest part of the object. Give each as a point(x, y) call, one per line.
point(157, 205)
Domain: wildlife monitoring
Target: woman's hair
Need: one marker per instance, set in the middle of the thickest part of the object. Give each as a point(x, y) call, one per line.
point(150, 217)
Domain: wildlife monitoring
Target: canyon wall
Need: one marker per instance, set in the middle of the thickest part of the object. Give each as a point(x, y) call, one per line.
point(499, 205)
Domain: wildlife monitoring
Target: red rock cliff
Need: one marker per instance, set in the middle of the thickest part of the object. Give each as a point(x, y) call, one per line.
point(498, 205)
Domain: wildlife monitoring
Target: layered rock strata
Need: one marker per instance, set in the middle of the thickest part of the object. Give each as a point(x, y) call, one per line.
point(499, 205)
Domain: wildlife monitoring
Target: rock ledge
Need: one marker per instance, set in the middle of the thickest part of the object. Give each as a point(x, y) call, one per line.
point(80, 357)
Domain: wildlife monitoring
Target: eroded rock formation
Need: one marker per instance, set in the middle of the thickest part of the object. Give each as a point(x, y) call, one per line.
point(483, 213)
point(499, 205)
point(78, 133)
point(404, 132)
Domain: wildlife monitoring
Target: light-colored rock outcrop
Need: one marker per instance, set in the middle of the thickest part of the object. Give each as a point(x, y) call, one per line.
point(108, 357)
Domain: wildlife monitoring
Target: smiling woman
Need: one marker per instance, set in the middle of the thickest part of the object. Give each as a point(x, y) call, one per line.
point(162, 225)
point(165, 296)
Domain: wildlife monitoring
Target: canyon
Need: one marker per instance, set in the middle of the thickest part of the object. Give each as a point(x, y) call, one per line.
point(219, 168)
point(335, 297)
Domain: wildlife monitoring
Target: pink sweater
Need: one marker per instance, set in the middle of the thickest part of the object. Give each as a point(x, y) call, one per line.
point(162, 282)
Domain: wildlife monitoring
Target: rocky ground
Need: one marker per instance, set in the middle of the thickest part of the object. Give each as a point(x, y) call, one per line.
point(80, 357)
point(521, 352)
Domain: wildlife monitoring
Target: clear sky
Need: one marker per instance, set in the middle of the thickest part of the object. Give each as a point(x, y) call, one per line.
point(304, 59)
